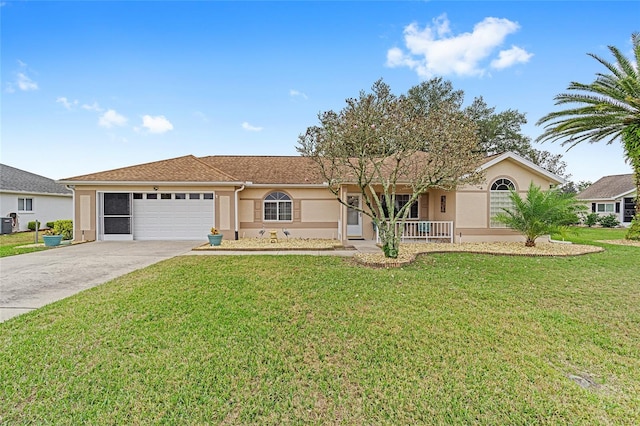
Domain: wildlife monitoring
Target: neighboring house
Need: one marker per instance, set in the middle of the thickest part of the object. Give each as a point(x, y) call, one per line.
point(26, 197)
point(181, 198)
point(614, 194)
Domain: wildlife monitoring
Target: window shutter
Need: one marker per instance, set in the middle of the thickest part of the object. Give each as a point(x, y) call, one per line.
point(593, 207)
point(618, 207)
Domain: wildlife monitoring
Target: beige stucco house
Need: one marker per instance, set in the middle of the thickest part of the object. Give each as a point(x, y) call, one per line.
point(182, 198)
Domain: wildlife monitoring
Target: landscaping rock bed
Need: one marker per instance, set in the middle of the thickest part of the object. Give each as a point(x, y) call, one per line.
point(408, 252)
point(264, 244)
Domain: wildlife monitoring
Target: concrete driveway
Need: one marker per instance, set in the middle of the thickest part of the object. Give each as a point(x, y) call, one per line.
point(30, 281)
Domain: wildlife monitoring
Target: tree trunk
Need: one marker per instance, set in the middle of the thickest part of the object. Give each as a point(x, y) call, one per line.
point(389, 239)
point(530, 243)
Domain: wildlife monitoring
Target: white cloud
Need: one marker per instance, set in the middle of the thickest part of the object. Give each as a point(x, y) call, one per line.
point(157, 124)
point(251, 128)
point(434, 50)
point(66, 103)
point(295, 93)
point(202, 116)
point(111, 118)
point(25, 83)
point(93, 107)
point(507, 58)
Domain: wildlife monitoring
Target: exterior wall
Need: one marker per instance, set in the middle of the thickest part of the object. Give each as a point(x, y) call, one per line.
point(46, 208)
point(86, 205)
point(315, 214)
point(472, 217)
point(619, 201)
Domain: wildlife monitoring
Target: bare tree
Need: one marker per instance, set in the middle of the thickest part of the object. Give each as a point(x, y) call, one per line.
point(382, 143)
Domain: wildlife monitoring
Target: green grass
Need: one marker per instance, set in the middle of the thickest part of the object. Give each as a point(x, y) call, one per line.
point(451, 339)
point(10, 243)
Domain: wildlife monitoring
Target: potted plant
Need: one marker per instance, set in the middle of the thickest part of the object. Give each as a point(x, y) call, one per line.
point(51, 238)
point(215, 237)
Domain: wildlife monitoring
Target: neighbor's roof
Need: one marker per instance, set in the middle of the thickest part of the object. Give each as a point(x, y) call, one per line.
point(16, 180)
point(609, 188)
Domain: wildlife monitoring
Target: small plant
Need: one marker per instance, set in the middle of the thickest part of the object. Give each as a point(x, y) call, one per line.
point(591, 219)
point(214, 231)
point(634, 230)
point(51, 231)
point(49, 224)
point(609, 221)
point(64, 228)
point(33, 225)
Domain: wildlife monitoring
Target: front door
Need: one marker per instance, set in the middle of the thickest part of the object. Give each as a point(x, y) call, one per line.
point(354, 217)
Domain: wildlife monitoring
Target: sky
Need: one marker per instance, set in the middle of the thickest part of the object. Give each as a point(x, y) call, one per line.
point(92, 86)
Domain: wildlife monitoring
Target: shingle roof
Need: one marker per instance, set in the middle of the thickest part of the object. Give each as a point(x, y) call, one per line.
point(181, 169)
point(608, 187)
point(268, 169)
point(12, 179)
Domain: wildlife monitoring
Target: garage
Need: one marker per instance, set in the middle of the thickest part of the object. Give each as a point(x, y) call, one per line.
point(156, 216)
point(172, 216)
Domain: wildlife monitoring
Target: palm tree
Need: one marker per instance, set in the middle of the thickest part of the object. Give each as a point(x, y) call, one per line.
point(607, 109)
point(540, 213)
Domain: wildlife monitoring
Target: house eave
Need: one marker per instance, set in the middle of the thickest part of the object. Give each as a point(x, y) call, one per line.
point(524, 162)
point(50, 194)
point(146, 182)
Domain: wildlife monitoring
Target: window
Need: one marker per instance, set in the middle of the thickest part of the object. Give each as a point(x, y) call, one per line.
point(278, 206)
point(443, 204)
point(152, 196)
point(137, 196)
point(605, 207)
point(208, 196)
point(194, 196)
point(165, 196)
point(499, 199)
point(180, 196)
point(25, 204)
point(401, 201)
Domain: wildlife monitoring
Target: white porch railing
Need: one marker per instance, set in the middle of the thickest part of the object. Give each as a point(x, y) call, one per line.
point(428, 230)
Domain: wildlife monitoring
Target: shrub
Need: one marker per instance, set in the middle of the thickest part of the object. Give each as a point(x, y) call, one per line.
point(591, 219)
point(634, 230)
point(49, 225)
point(609, 221)
point(33, 225)
point(64, 228)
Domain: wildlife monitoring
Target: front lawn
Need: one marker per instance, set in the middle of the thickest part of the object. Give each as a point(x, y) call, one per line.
point(11, 244)
point(452, 339)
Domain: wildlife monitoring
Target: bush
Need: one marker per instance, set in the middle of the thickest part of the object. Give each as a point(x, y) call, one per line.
point(33, 225)
point(591, 219)
point(49, 225)
point(634, 230)
point(609, 221)
point(64, 228)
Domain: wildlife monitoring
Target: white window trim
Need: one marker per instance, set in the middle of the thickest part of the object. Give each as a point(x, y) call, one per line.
point(24, 203)
point(277, 203)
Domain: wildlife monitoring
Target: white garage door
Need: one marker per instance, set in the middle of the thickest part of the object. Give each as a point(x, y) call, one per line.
point(172, 216)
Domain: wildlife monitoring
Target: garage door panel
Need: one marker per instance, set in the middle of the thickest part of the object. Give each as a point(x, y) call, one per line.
point(172, 219)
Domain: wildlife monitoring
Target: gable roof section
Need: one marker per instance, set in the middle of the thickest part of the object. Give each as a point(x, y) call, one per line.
point(609, 188)
point(290, 170)
point(182, 169)
point(16, 180)
point(495, 159)
point(249, 169)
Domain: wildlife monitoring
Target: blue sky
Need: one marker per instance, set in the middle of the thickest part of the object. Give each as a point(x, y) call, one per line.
point(91, 86)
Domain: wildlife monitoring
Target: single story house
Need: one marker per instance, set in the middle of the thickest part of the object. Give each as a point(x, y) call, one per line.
point(244, 196)
point(27, 197)
point(615, 194)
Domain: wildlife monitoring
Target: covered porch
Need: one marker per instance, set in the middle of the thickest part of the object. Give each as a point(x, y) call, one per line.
point(423, 231)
